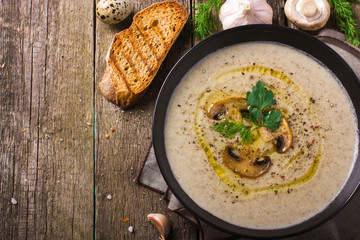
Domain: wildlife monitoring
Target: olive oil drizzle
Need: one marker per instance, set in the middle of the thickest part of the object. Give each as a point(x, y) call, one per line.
point(222, 172)
point(266, 71)
point(298, 181)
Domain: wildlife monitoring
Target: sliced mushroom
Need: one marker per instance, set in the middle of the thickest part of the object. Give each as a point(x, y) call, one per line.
point(282, 137)
point(229, 108)
point(308, 14)
point(245, 162)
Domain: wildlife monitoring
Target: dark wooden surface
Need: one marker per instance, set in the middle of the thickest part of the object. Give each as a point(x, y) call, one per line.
point(54, 158)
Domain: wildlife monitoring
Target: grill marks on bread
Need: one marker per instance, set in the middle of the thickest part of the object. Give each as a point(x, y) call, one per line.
point(129, 61)
point(137, 52)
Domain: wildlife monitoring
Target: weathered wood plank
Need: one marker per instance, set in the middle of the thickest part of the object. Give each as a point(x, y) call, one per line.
point(68, 130)
point(46, 102)
point(120, 156)
point(278, 11)
point(14, 115)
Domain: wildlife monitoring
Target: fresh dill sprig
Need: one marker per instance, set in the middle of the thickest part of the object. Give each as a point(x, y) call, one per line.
point(204, 22)
point(345, 20)
point(229, 129)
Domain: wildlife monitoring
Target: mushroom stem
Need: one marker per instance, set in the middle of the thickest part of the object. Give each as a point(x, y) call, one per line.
point(308, 8)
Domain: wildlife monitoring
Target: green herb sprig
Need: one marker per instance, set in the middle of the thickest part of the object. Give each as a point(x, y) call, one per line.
point(204, 22)
point(258, 99)
point(345, 20)
point(228, 129)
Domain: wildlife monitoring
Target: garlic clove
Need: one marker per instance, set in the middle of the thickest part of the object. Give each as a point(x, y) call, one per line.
point(308, 14)
point(161, 223)
point(235, 13)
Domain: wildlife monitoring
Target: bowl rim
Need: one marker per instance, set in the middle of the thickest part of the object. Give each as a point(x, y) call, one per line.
point(248, 33)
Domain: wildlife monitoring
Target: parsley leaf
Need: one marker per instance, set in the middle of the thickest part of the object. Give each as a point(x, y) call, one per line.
point(272, 119)
point(229, 129)
point(258, 99)
point(255, 116)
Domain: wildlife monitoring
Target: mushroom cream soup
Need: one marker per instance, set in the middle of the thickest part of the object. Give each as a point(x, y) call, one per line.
point(260, 170)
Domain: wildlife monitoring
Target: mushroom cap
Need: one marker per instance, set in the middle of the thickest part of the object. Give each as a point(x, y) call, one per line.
point(230, 108)
point(244, 161)
point(308, 14)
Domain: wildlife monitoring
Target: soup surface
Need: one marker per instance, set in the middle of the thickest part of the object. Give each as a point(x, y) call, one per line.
point(291, 185)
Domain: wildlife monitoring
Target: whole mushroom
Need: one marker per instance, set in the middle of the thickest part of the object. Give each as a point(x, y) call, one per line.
point(113, 11)
point(308, 14)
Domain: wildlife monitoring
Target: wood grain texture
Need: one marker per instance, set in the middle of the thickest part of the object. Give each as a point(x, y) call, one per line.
point(278, 11)
point(119, 158)
point(46, 120)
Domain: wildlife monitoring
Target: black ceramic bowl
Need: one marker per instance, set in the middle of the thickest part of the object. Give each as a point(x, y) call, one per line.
point(250, 33)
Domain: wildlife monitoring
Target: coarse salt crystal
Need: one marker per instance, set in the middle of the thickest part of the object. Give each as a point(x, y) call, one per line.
point(13, 201)
point(109, 197)
point(131, 229)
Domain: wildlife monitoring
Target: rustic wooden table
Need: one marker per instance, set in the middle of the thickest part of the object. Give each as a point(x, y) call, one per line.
point(55, 160)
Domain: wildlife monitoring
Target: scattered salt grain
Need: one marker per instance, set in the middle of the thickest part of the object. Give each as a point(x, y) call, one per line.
point(109, 197)
point(13, 201)
point(131, 229)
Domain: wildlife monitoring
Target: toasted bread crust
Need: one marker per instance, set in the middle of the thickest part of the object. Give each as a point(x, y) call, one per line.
point(136, 53)
point(117, 91)
point(107, 87)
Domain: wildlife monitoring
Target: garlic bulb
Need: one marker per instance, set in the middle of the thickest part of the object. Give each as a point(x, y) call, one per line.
point(235, 13)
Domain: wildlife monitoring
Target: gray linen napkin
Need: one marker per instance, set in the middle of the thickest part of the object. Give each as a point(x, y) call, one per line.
point(344, 226)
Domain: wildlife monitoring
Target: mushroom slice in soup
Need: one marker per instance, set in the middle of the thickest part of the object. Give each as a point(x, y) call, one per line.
point(229, 108)
point(282, 137)
point(244, 161)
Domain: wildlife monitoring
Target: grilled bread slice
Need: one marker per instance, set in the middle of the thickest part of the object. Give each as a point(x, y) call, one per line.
point(136, 53)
